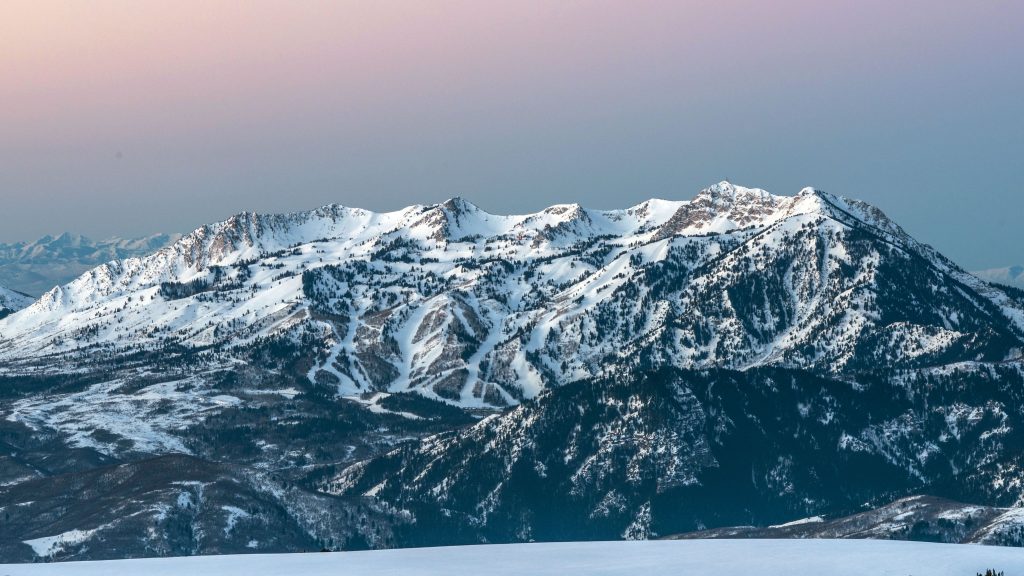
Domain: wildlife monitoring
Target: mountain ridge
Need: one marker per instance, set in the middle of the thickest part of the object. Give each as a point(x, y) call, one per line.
point(457, 319)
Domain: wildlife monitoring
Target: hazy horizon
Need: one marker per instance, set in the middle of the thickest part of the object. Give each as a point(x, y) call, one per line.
point(127, 119)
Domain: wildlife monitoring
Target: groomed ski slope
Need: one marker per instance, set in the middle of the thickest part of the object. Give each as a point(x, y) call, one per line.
point(647, 558)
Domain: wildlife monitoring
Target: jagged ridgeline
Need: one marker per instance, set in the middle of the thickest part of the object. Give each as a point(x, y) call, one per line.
point(737, 358)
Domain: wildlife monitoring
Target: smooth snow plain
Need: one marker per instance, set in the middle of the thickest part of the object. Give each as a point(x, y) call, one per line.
point(646, 558)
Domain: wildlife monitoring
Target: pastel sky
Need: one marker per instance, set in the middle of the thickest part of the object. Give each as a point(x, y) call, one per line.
point(138, 116)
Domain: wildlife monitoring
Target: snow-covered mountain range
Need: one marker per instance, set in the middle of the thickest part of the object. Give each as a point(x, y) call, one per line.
point(340, 378)
point(486, 310)
point(37, 266)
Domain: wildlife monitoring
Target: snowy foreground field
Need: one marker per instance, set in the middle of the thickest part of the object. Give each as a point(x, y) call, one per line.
point(663, 558)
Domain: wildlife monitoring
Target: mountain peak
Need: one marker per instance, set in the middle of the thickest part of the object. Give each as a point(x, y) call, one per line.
point(728, 192)
point(721, 189)
point(70, 237)
point(571, 210)
point(721, 207)
point(458, 205)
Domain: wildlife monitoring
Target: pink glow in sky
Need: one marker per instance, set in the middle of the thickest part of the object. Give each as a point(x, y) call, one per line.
point(193, 110)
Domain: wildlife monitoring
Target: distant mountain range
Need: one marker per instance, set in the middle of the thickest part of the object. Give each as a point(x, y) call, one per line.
point(35, 267)
point(340, 378)
point(1009, 276)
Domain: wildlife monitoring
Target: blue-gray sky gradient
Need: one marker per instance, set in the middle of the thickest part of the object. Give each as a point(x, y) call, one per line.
point(125, 118)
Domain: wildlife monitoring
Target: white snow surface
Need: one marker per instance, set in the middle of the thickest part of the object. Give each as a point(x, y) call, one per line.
point(650, 558)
